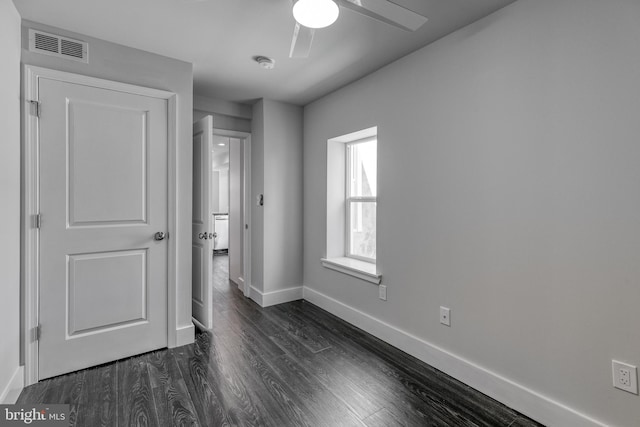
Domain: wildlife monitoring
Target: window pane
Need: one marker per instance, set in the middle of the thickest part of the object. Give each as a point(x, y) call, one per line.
point(362, 229)
point(363, 169)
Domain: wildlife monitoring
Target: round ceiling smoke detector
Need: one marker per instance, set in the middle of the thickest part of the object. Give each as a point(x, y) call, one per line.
point(266, 63)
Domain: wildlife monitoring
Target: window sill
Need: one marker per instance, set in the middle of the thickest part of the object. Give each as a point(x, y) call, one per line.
point(354, 267)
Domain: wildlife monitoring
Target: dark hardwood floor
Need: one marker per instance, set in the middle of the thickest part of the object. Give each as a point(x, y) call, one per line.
point(287, 365)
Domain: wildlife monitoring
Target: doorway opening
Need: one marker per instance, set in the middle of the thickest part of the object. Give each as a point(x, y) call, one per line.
point(233, 233)
point(221, 214)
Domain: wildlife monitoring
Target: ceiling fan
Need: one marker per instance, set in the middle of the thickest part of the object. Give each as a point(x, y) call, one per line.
point(312, 14)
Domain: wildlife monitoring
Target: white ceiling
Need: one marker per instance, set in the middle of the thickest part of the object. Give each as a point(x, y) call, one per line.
point(220, 37)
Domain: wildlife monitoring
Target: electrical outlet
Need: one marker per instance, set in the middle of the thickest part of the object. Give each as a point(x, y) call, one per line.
point(625, 376)
point(382, 292)
point(445, 316)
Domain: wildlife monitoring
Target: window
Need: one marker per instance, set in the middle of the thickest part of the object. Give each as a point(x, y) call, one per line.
point(360, 201)
point(352, 190)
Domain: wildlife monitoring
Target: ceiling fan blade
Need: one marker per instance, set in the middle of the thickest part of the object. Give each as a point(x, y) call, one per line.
point(387, 11)
point(301, 42)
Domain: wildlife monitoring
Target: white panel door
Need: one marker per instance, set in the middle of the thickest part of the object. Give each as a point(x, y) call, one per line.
point(202, 225)
point(103, 198)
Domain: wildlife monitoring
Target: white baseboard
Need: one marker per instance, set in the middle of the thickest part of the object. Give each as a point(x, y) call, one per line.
point(276, 297)
point(256, 295)
point(185, 335)
point(528, 402)
point(10, 394)
point(239, 282)
point(241, 285)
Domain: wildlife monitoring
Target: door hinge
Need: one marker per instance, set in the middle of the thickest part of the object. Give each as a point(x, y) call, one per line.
point(36, 333)
point(35, 108)
point(36, 221)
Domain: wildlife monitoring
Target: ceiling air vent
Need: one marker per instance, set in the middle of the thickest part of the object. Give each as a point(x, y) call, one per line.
point(62, 47)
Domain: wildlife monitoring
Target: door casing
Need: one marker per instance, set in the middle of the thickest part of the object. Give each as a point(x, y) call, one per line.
point(30, 204)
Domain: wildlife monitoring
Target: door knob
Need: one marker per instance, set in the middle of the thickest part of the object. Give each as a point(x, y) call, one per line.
point(204, 236)
point(160, 235)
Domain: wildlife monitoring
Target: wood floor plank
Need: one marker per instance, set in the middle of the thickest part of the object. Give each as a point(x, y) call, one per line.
point(34, 394)
point(389, 394)
point(231, 320)
point(308, 335)
point(351, 395)
point(433, 393)
point(171, 398)
point(411, 374)
point(267, 393)
point(382, 418)
point(359, 369)
point(324, 406)
point(202, 388)
point(66, 389)
point(98, 404)
point(303, 399)
point(243, 402)
point(135, 397)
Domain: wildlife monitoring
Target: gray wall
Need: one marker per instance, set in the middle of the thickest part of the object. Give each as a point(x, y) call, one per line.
point(10, 197)
point(226, 115)
point(276, 158)
point(283, 196)
point(508, 187)
point(120, 63)
point(221, 121)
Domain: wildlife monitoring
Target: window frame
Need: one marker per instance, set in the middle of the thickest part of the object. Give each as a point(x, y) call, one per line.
point(349, 200)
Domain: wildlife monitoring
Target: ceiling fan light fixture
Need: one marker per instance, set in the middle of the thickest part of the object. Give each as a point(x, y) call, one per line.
point(316, 13)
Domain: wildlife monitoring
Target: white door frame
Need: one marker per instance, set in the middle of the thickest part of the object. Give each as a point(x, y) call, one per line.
point(30, 203)
point(246, 205)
